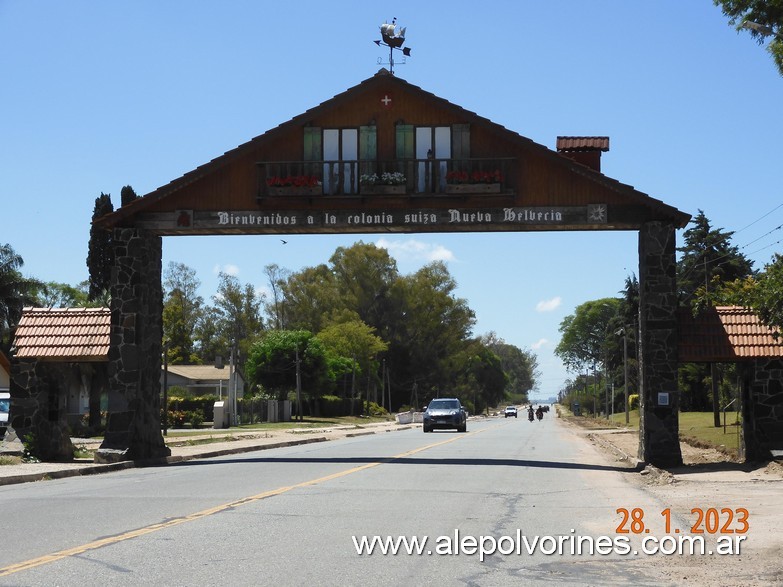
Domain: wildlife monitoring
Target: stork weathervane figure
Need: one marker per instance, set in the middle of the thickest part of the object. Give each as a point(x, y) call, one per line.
point(393, 38)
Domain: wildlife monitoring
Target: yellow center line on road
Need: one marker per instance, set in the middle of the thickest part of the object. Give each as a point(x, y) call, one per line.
point(50, 558)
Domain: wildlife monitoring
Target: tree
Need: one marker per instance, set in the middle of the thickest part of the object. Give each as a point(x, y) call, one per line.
point(622, 343)
point(427, 326)
point(127, 195)
point(762, 19)
point(274, 307)
point(182, 311)
point(16, 291)
point(100, 255)
point(356, 341)
point(364, 275)
point(238, 310)
point(209, 340)
point(424, 324)
point(61, 295)
point(708, 261)
point(585, 332)
point(308, 297)
point(272, 363)
point(766, 298)
point(521, 367)
point(707, 254)
point(483, 379)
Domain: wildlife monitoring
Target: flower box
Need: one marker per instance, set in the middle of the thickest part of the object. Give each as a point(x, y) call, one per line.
point(472, 188)
point(383, 189)
point(295, 190)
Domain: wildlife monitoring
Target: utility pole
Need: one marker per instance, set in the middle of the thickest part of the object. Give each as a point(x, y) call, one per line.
point(298, 386)
point(383, 385)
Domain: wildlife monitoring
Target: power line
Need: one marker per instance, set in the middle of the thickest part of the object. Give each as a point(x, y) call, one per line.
point(699, 258)
point(760, 219)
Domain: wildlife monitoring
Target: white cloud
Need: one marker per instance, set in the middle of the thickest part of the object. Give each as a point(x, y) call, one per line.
point(227, 269)
point(412, 251)
point(540, 343)
point(549, 305)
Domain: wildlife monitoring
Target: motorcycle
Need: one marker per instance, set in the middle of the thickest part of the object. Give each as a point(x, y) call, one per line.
point(530, 415)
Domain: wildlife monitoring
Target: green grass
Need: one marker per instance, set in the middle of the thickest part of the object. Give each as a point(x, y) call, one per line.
point(307, 422)
point(698, 429)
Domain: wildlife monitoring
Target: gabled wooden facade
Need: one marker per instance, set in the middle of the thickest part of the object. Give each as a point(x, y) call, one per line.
point(456, 169)
point(436, 168)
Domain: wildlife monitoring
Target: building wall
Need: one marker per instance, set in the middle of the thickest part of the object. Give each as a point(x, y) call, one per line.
point(762, 409)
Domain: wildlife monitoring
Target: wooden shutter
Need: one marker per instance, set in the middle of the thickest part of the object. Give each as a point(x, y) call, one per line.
point(312, 144)
point(460, 141)
point(368, 143)
point(405, 141)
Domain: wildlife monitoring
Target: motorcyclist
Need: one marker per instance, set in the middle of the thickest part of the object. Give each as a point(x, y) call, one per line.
point(530, 413)
point(540, 413)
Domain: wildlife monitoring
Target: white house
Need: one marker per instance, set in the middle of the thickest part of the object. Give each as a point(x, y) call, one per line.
point(202, 379)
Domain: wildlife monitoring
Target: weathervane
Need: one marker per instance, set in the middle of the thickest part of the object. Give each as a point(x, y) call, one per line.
point(393, 38)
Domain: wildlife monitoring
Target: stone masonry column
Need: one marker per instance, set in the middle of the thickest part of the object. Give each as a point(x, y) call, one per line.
point(133, 431)
point(762, 410)
point(659, 442)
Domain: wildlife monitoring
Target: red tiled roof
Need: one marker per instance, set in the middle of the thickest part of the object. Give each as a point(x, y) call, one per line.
point(63, 334)
point(726, 334)
point(582, 143)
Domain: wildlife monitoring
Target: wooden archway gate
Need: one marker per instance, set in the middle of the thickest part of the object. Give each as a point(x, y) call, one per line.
point(307, 176)
point(134, 430)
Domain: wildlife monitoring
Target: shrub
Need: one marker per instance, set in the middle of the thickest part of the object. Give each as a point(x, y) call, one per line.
point(203, 403)
point(376, 410)
point(633, 401)
point(332, 406)
point(176, 418)
point(30, 452)
point(196, 418)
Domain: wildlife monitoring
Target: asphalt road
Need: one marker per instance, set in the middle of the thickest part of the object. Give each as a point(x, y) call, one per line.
point(294, 516)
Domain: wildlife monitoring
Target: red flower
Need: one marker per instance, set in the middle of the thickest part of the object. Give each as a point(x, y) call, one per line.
point(292, 181)
point(474, 177)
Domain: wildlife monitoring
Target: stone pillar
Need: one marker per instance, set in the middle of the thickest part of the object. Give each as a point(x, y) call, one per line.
point(133, 430)
point(38, 409)
point(659, 442)
point(762, 411)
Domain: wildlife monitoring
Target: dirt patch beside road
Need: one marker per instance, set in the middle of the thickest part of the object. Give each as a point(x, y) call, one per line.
point(708, 479)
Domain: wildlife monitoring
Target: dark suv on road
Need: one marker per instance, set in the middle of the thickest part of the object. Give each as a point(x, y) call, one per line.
point(445, 413)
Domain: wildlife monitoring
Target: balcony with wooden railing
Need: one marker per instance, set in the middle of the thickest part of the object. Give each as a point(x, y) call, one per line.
point(410, 177)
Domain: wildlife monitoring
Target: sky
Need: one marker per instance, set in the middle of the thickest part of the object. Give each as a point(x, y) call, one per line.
point(98, 95)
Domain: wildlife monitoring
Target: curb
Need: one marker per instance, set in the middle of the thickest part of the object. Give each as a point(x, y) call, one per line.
point(621, 453)
point(95, 469)
point(110, 467)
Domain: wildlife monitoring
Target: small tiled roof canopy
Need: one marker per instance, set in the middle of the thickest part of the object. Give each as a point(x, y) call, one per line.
point(200, 372)
point(63, 334)
point(582, 143)
point(726, 334)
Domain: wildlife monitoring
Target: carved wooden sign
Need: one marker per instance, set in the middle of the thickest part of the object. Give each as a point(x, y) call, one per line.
point(396, 220)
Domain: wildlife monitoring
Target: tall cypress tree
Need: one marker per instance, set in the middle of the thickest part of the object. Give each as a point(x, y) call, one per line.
point(127, 195)
point(708, 254)
point(100, 255)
